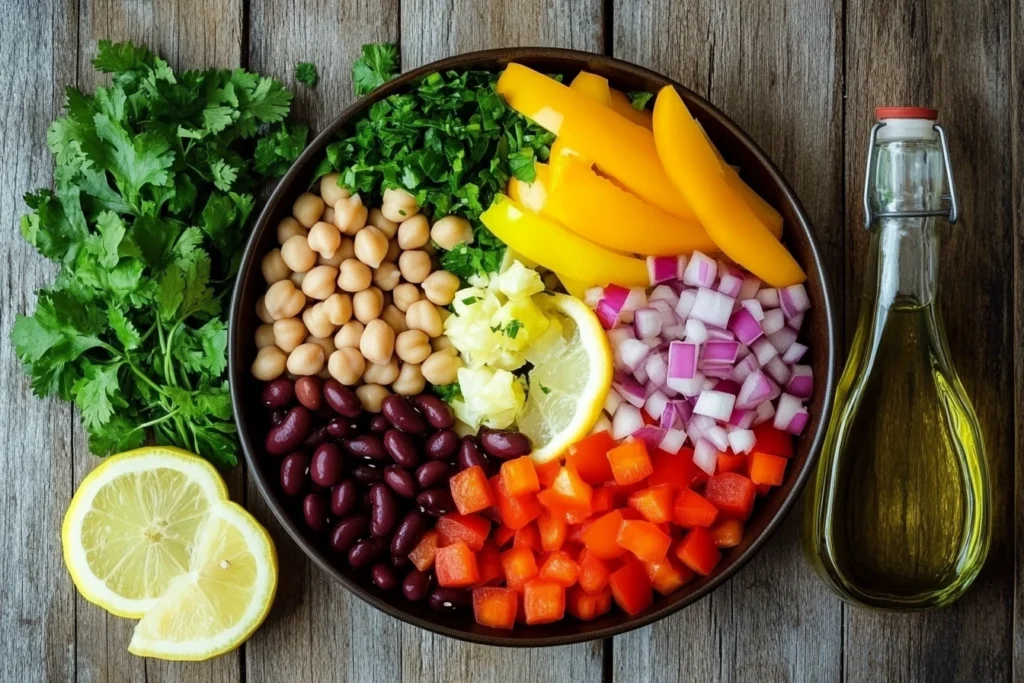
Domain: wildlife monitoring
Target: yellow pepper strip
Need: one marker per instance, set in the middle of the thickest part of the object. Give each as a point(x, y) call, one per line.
point(593, 87)
point(531, 195)
point(691, 163)
point(622, 106)
point(596, 209)
point(576, 289)
point(556, 248)
point(619, 148)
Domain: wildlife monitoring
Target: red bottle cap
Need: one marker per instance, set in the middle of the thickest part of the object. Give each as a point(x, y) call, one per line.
point(906, 113)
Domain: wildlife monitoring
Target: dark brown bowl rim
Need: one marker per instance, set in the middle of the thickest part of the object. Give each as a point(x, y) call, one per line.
point(301, 166)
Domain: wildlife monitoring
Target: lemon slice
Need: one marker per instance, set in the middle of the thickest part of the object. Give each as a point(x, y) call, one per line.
point(223, 598)
point(133, 524)
point(567, 388)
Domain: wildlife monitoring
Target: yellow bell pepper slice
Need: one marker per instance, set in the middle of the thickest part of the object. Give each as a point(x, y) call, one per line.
point(542, 240)
point(593, 87)
point(576, 289)
point(531, 195)
point(691, 163)
point(622, 106)
point(596, 209)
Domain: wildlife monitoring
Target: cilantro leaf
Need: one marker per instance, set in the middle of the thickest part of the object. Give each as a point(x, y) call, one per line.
point(448, 392)
point(377, 66)
point(305, 73)
point(640, 99)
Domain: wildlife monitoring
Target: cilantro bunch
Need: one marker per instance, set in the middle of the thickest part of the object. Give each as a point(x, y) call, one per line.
point(153, 192)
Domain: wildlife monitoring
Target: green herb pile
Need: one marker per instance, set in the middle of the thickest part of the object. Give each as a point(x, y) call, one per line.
point(153, 193)
point(452, 142)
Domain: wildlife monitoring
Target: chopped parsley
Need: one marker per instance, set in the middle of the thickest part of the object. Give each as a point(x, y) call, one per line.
point(305, 73)
point(470, 300)
point(639, 100)
point(510, 329)
point(448, 392)
point(546, 390)
point(377, 66)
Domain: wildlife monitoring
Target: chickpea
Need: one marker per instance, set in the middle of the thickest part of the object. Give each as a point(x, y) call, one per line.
point(381, 374)
point(297, 254)
point(398, 205)
point(273, 267)
point(307, 210)
point(429, 248)
point(377, 342)
point(414, 232)
point(423, 315)
point(261, 311)
point(306, 359)
point(317, 322)
point(412, 346)
point(297, 279)
point(328, 216)
point(440, 287)
point(410, 380)
point(324, 239)
point(344, 252)
point(283, 300)
point(367, 304)
point(377, 220)
point(405, 295)
point(372, 396)
point(450, 231)
point(264, 336)
point(319, 282)
point(331, 191)
point(394, 317)
point(338, 308)
point(349, 335)
point(444, 313)
point(415, 265)
point(394, 251)
point(327, 344)
point(371, 246)
point(386, 276)
point(289, 333)
point(442, 343)
point(288, 228)
point(441, 367)
point(354, 275)
point(269, 364)
point(346, 365)
point(350, 215)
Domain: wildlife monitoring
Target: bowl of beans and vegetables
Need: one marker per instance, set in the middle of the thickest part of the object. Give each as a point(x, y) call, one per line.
point(443, 263)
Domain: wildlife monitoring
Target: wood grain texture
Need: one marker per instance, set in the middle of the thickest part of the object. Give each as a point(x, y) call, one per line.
point(1016, 132)
point(775, 69)
point(935, 54)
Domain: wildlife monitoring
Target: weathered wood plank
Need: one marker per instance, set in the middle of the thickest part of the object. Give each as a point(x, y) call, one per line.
point(909, 52)
point(1017, 236)
point(37, 623)
point(776, 69)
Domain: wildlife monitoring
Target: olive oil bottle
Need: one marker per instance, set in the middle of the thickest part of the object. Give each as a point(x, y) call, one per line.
point(900, 514)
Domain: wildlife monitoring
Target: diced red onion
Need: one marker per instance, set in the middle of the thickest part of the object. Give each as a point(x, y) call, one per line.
point(745, 326)
point(674, 332)
point(786, 414)
point(796, 322)
point(612, 402)
point(783, 339)
point(743, 419)
point(653, 342)
point(663, 293)
point(718, 436)
point(750, 286)
point(717, 351)
point(695, 331)
point(607, 315)
point(716, 371)
point(655, 405)
point(593, 296)
point(685, 304)
point(673, 441)
point(666, 311)
point(757, 387)
point(794, 353)
point(686, 387)
point(728, 386)
point(793, 300)
point(764, 412)
point(627, 419)
point(799, 422)
point(742, 440)
point(730, 284)
point(743, 368)
point(635, 300)
point(773, 321)
point(665, 268)
point(647, 323)
point(801, 383)
point(715, 404)
point(778, 370)
point(719, 333)
point(656, 369)
point(641, 375)
point(754, 306)
point(676, 414)
point(619, 335)
point(631, 390)
point(705, 456)
point(632, 353)
point(769, 298)
point(650, 435)
point(701, 271)
point(711, 307)
point(764, 351)
point(682, 360)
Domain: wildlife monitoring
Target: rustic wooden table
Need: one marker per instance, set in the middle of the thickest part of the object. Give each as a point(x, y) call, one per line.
point(802, 77)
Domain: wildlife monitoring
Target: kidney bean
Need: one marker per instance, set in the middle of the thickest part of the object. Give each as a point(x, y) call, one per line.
point(401, 447)
point(277, 416)
point(441, 445)
point(347, 532)
point(339, 428)
point(366, 499)
point(384, 577)
point(416, 585)
point(400, 481)
point(470, 455)
point(432, 474)
point(399, 562)
point(293, 473)
point(367, 474)
point(314, 510)
point(436, 502)
point(317, 437)
point(448, 599)
point(316, 488)
point(401, 414)
point(278, 393)
point(408, 533)
point(437, 412)
point(308, 392)
point(344, 497)
point(504, 444)
point(383, 510)
point(366, 446)
point(288, 435)
point(342, 399)
point(379, 424)
point(366, 551)
point(327, 465)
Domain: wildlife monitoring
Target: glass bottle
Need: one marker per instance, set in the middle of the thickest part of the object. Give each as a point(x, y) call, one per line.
point(899, 517)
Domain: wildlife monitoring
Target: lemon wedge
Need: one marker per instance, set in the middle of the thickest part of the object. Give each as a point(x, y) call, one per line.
point(568, 386)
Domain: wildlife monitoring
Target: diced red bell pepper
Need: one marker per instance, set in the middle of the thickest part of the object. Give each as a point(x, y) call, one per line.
point(600, 535)
point(729, 462)
point(553, 530)
point(575, 532)
point(520, 566)
point(543, 601)
point(603, 501)
point(471, 491)
point(767, 469)
point(529, 537)
point(546, 472)
point(455, 566)
point(495, 607)
point(515, 511)
point(590, 457)
point(568, 494)
point(773, 441)
point(692, 509)
point(586, 606)
point(646, 541)
point(560, 568)
point(698, 552)
point(471, 529)
point(676, 470)
point(655, 503)
point(630, 462)
point(502, 535)
point(763, 489)
point(631, 588)
point(519, 476)
point(733, 494)
point(488, 562)
point(728, 533)
point(422, 556)
point(594, 572)
point(621, 494)
point(666, 576)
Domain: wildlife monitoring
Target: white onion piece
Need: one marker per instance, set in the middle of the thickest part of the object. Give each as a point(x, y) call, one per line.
point(593, 296)
point(685, 303)
point(764, 412)
point(633, 352)
point(712, 308)
point(674, 332)
point(656, 369)
point(627, 419)
point(673, 441)
point(603, 424)
point(794, 353)
point(635, 300)
point(705, 456)
point(718, 436)
point(783, 339)
point(687, 387)
point(778, 370)
point(754, 306)
point(769, 298)
point(655, 405)
point(701, 271)
point(641, 375)
point(773, 321)
point(715, 404)
point(742, 440)
point(632, 391)
point(764, 351)
point(619, 335)
point(750, 286)
point(666, 311)
point(663, 293)
point(785, 413)
point(647, 323)
point(744, 419)
point(612, 402)
point(793, 300)
point(757, 387)
point(696, 332)
point(796, 322)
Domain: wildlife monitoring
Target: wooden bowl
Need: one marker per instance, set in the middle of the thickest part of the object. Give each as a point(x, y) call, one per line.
point(819, 333)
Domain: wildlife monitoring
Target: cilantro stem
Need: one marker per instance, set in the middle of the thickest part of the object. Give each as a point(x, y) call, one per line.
point(157, 421)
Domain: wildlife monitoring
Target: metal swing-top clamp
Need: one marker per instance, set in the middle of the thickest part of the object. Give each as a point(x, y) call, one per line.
point(954, 205)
